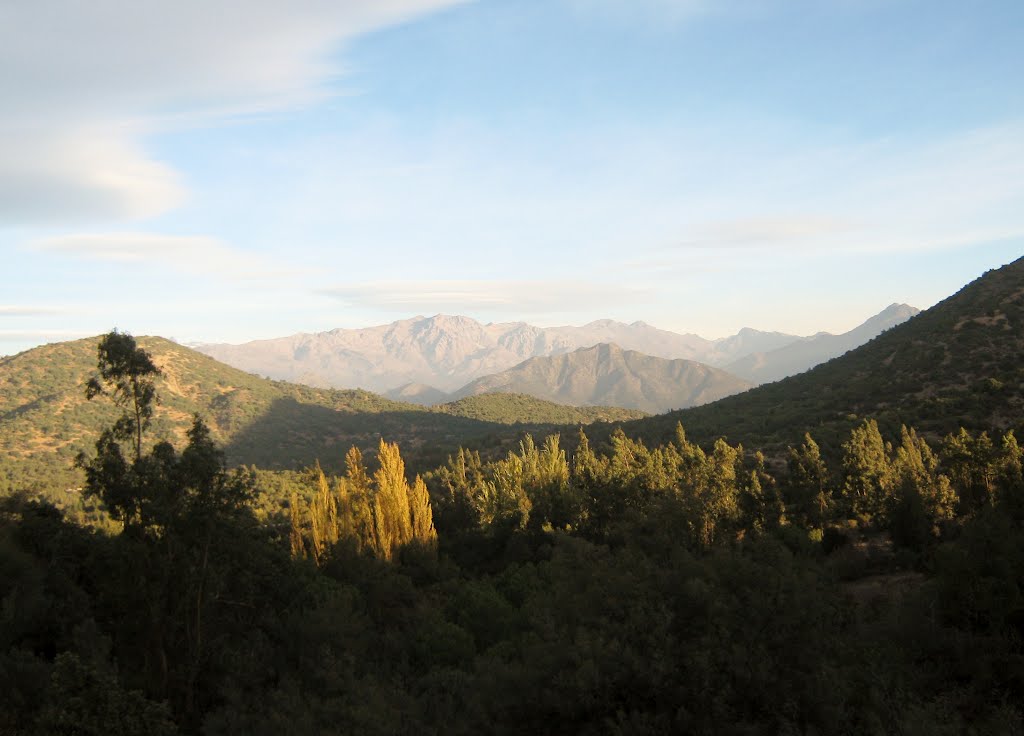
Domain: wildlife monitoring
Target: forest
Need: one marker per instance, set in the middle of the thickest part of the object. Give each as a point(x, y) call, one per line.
point(620, 588)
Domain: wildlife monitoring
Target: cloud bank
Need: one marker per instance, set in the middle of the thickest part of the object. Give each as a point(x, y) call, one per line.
point(82, 84)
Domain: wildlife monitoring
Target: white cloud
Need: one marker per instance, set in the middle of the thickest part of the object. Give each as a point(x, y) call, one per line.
point(188, 254)
point(508, 297)
point(82, 83)
point(19, 310)
point(766, 231)
point(59, 175)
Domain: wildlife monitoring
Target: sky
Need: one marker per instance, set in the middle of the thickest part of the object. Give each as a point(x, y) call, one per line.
point(228, 170)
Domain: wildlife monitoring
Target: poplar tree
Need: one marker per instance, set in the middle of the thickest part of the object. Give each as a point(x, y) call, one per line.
point(355, 513)
point(391, 513)
point(422, 518)
point(323, 513)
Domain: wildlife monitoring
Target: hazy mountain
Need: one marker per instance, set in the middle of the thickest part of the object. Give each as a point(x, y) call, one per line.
point(956, 364)
point(418, 393)
point(608, 375)
point(447, 352)
point(800, 355)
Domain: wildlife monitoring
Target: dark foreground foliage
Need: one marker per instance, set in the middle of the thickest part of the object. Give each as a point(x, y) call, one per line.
point(636, 590)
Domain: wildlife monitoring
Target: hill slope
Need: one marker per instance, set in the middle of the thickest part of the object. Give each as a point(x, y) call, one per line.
point(608, 375)
point(805, 353)
point(956, 364)
point(502, 407)
point(45, 419)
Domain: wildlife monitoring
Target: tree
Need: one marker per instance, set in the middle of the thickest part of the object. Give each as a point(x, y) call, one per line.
point(924, 496)
point(867, 487)
point(971, 464)
point(391, 515)
point(323, 516)
point(422, 518)
point(127, 372)
point(809, 482)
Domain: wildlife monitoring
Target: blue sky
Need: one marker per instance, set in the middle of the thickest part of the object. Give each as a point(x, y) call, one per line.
point(225, 170)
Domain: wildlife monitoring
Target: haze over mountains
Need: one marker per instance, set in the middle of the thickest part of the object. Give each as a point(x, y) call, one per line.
point(423, 359)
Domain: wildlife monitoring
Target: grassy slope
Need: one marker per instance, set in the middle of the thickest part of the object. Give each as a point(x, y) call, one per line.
point(521, 408)
point(956, 364)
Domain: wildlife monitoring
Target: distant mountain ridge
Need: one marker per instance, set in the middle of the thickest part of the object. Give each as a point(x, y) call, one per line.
point(957, 364)
point(412, 358)
point(607, 375)
point(803, 354)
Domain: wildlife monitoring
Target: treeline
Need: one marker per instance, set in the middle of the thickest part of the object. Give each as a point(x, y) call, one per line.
point(910, 490)
point(622, 590)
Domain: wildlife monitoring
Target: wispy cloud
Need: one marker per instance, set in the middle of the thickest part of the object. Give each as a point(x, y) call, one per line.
point(483, 296)
point(17, 310)
point(766, 231)
point(81, 84)
point(187, 254)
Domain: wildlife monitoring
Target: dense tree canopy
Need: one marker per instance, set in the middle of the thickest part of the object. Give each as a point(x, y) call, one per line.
point(620, 588)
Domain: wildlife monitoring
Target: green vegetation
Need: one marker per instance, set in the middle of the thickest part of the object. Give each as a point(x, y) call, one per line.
point(640, 590)
point(508, 408)
point(46, 419)
point(867, 584)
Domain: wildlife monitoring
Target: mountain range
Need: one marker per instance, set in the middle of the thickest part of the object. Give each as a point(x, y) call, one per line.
point(424, 359)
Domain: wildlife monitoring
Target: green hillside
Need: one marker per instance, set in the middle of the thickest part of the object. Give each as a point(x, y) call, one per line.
point(45, 419)
point(523, 409)
point(956, 364)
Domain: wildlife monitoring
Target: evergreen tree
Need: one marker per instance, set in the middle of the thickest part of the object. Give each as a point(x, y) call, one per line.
point(924, 496)
point(295, 536)
point(1011, 477)
point(810, 489)
point(971, 464)
point(867, 486)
